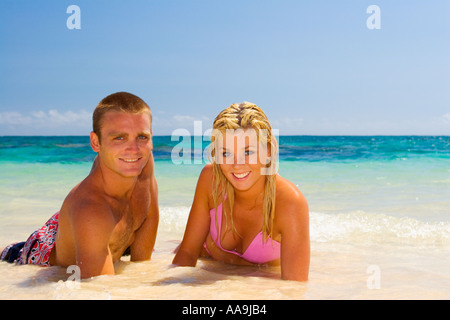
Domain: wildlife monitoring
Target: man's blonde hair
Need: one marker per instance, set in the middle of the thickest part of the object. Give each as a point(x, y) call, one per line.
point(119, 102)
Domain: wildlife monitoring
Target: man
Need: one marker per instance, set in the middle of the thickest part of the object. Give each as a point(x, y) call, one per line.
point(115, 208)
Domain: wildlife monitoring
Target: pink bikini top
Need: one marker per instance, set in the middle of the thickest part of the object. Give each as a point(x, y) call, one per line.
point(257, 252)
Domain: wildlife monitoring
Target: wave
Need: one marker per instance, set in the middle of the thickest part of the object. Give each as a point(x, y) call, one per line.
point(73, 145)
point(353, 227)
point(374, 227)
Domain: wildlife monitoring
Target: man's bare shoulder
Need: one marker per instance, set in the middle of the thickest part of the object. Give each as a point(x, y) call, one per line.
point(87, 201)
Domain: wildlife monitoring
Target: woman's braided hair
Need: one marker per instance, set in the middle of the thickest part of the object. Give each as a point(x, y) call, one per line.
point(245, 115)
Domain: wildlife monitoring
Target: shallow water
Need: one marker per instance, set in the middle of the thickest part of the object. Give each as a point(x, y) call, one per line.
point(380, 226)
point(343, 249)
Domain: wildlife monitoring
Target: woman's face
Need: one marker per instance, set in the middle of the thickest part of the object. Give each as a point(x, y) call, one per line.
point(242, 158)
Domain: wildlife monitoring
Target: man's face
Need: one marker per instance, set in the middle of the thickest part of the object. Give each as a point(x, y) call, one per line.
point(126, 142)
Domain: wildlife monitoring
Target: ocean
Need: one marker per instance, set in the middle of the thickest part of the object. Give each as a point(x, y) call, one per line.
point(379, 220)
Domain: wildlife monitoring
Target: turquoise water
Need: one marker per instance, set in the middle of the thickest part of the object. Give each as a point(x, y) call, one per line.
point(401, 176)
point(373, 200)
point(76, 149)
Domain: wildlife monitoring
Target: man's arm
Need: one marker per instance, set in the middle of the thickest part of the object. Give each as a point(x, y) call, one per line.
point(92, 227)
point(142, 247)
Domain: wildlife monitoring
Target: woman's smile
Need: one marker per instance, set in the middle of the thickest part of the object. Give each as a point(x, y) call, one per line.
point(241, 175)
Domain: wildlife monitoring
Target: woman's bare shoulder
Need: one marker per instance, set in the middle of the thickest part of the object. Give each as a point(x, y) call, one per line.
point(289, 199)
point(205, 178)
point(203, 191)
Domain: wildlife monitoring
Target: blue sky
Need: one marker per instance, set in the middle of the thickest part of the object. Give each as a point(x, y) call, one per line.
point(313, 66)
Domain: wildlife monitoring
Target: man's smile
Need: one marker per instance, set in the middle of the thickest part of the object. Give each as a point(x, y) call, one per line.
point(130, 160)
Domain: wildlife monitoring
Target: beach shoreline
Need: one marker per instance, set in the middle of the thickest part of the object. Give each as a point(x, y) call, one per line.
point(379, 224)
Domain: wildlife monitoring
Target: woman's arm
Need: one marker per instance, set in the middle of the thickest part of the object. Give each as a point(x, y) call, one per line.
point(197, 227)
point(295, 243)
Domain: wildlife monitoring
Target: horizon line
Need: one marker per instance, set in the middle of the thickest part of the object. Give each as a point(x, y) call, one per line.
point(281, 135)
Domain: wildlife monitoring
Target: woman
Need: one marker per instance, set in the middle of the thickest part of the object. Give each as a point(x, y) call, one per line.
point(244, 212)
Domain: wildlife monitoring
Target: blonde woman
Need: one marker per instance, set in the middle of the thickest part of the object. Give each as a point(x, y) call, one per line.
point(243, 212)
